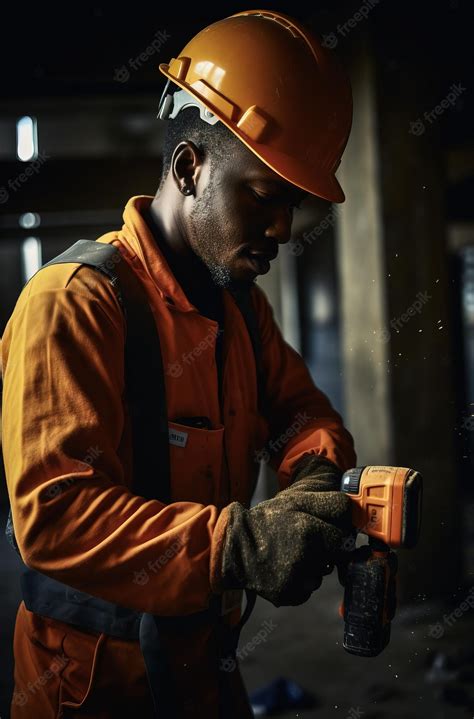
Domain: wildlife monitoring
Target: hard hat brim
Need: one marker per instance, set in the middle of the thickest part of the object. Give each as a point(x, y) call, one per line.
point(290, 169)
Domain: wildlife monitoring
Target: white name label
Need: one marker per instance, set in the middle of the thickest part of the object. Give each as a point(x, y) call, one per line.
point(177, 437)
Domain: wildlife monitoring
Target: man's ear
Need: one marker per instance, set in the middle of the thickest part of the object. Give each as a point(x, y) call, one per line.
point(186, 164)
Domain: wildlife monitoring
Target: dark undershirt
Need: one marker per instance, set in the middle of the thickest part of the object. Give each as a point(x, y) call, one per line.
point(208, 301)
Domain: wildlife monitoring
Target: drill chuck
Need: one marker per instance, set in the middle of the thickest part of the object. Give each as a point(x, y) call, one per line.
point(351, 480)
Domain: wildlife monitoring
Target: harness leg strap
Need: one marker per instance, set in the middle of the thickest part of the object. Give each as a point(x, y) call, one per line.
point(157, 668)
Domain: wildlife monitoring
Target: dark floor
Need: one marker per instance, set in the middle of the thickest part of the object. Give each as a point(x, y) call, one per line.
point(305, 644)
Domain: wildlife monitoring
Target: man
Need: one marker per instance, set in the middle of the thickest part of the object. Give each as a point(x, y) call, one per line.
point(233, 170)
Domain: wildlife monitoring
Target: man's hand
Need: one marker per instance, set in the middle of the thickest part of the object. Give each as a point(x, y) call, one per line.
point(318, 474)
point(282, 547)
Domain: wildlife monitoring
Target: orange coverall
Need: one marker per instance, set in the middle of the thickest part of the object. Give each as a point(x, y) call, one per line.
point(67, 452)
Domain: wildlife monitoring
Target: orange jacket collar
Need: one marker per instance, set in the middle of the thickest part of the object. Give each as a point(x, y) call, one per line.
point(137, 236)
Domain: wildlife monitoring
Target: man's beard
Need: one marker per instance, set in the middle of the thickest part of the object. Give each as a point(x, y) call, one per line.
point(221, 277)
point(204, 229)
point(220, 274)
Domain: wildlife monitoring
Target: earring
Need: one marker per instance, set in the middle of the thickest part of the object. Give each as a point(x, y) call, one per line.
point(187, 190)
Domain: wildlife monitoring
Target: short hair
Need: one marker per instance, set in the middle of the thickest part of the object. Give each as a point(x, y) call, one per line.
point(214, 141)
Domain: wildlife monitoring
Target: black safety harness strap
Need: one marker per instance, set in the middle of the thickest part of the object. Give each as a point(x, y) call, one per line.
point(144, 375)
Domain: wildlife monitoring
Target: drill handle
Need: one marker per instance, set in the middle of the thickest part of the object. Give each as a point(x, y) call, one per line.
point(369, 600)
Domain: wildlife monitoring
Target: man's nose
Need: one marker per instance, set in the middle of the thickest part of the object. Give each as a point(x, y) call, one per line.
point(280, 227)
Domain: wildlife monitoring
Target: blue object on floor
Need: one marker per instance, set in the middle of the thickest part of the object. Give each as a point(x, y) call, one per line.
point(279, 696)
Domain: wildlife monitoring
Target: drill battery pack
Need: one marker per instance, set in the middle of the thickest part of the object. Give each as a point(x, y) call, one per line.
point(369, 602)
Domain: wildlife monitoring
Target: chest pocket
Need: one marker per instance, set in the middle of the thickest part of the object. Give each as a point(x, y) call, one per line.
point(196, 457)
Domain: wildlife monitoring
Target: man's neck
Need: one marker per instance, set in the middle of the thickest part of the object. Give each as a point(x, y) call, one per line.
point(190, 272)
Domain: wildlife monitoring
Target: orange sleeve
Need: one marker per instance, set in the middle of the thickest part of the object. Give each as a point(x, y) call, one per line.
point(75, 518)
point(301, 417)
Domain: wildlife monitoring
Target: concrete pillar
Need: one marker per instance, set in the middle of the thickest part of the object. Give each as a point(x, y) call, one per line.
point(396, 339)
point(364, 309)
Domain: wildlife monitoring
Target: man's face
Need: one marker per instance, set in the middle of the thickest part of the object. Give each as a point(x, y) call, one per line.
point(242, 211)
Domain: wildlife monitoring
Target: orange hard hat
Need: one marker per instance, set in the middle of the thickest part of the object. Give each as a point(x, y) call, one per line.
point(276, 87)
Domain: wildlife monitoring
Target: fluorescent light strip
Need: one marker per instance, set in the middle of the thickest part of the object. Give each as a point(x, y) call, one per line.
point(26, 138)
point(31, 256)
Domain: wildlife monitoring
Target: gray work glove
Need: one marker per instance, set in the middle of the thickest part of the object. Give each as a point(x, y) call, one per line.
point(319, 474)
point(282, 547)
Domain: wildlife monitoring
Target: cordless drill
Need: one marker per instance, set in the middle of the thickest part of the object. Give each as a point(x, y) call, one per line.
point(386, 505)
